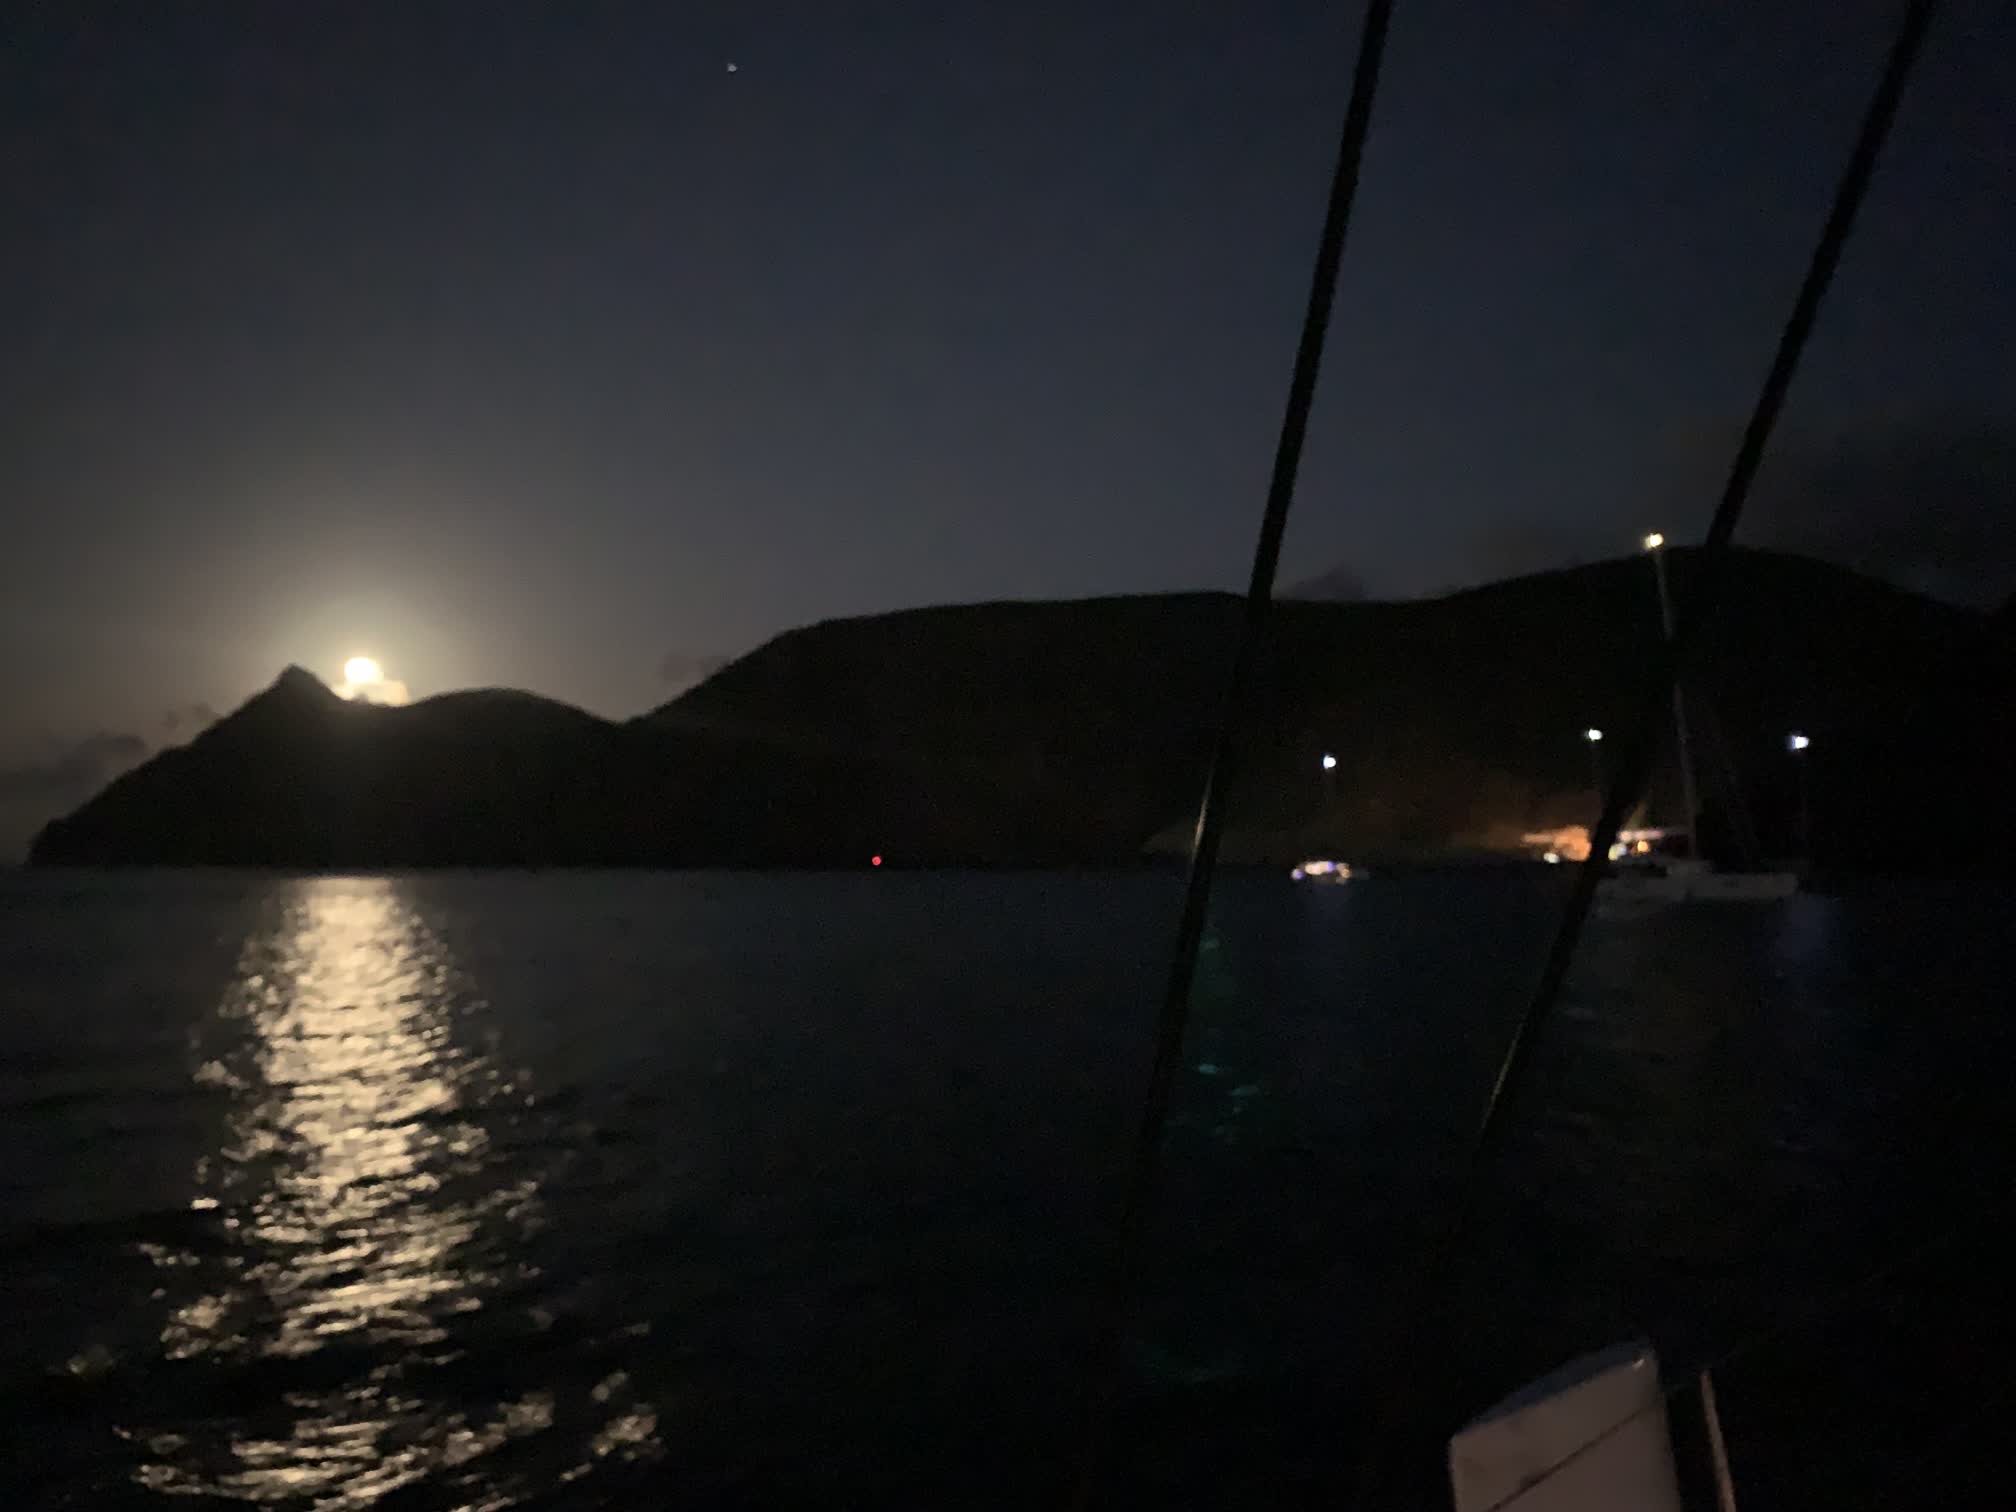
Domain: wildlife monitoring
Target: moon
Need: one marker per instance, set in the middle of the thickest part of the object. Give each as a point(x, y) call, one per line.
point(362, 671)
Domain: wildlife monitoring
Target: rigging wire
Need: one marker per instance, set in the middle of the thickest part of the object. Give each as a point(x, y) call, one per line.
point(1632, 771)
point(1710, 559)
point(1139, 1192)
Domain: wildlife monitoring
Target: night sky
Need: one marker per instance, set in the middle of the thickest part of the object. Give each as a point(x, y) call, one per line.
point(530, 344)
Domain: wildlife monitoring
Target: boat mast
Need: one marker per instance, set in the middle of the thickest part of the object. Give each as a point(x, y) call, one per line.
point(1130, 1246)
point(1655, 547)
point(1421, 1334)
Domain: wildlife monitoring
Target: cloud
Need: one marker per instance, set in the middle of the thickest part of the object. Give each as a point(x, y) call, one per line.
point(1928, 504)
point(1517, 547)
point(387, 690)
point(1340, 584)
point(36, 789)
point(72, 771)
point(682, 669)
point(190, 716)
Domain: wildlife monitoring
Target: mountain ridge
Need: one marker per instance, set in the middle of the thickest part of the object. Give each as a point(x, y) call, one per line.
point(1061, 732)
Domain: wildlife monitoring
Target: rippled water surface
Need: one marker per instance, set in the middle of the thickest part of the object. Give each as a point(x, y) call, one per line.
point(475, 1191)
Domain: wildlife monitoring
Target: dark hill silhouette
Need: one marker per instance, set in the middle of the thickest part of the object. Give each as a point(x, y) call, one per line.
point(1945, 749)
point(299, 777)
point(1457, 721)
point(1044, 733)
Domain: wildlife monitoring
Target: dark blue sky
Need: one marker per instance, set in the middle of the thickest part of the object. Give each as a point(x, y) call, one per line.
point(527, 344)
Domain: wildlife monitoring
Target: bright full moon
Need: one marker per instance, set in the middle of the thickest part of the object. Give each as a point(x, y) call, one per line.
point(364, 681)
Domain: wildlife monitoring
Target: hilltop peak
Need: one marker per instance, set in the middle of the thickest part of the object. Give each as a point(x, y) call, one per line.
point(297, 681)
point(295, 694)
point(1036, 733)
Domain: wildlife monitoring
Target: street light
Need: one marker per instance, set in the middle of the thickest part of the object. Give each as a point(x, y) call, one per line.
point(1327, 797)
point(1796, 743)
point(1594, 738)
point(1690, 800)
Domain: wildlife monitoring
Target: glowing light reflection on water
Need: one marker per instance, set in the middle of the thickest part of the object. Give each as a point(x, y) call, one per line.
point(361, 1212)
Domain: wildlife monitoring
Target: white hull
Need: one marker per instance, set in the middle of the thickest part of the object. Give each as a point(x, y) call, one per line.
point(1590, 1437)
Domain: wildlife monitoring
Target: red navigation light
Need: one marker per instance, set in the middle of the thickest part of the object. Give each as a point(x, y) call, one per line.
point(874, 860)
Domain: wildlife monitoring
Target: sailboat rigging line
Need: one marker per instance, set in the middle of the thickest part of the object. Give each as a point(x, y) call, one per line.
point(1632, 771)
point(1710, 560)
point(1137, 1198)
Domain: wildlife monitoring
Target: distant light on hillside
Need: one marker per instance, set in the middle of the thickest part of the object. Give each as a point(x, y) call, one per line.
point(1568, 843)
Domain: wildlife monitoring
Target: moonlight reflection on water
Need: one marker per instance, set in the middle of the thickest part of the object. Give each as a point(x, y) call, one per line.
point(362, 1214)
point(803, 1201)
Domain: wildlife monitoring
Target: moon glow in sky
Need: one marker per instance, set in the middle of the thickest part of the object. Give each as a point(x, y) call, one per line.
point(364, 681)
